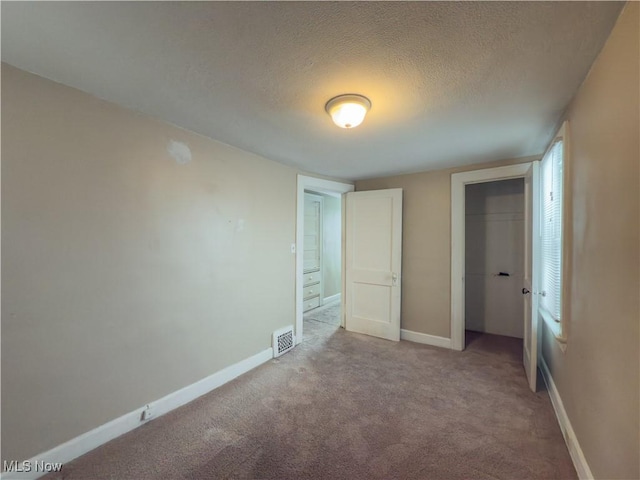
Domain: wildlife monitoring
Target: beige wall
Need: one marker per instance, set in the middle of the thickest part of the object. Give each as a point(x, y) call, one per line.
point(426, 245)
point(125, 275)
point(597, 377)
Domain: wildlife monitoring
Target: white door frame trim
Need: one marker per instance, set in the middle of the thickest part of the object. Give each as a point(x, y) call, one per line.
point(329, 187)
point(458, 183)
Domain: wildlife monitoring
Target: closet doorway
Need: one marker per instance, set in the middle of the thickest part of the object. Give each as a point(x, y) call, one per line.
point(494, 257)
point(530, 172)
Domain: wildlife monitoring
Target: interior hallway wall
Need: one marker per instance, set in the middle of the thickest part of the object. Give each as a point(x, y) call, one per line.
point(598, 375)
point(127, 274)
point(332, 245)
point(494, 243)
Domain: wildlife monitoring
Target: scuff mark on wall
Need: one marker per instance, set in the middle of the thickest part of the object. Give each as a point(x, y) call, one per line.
point(180, 152)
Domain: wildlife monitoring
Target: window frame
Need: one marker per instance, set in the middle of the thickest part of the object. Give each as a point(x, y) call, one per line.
point(558, 327)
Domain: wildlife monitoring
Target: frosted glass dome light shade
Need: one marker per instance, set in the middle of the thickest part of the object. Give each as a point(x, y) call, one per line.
point(348, 111)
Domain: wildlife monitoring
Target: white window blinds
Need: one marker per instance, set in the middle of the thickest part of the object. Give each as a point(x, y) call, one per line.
point(551, 231)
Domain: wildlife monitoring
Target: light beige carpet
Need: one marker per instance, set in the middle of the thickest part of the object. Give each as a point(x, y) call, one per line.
point(348, 406)
point(329, 314)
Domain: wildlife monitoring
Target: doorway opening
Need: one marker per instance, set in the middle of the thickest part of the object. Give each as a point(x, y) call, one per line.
point(322, 264)
point(459, 182)
point(494, 265)
point(320, 253)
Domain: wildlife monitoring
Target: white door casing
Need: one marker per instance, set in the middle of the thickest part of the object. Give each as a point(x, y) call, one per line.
point(373, 262)
point(531, 274)
point(458, 184)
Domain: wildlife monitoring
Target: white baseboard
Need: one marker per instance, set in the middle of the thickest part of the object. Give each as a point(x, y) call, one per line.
point(332, 298)
point(98, 436)
point(579, 460)
point(425, 338)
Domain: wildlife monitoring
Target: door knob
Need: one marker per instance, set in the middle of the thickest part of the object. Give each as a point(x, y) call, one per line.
point(394, 278)
point(525, 291)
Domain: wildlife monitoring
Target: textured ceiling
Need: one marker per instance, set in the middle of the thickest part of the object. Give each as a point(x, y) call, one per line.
point(451, 83)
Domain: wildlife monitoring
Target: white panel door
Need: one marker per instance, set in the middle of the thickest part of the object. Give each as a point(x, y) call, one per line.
point(531, 273)
point(373, 259)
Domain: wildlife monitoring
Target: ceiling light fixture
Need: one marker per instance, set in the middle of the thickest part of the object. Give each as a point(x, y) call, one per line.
point(348, 111)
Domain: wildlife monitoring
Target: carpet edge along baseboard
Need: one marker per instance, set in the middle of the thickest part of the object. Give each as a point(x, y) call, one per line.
point(43, 463)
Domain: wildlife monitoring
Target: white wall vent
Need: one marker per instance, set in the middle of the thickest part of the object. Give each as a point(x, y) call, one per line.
point(283, 341)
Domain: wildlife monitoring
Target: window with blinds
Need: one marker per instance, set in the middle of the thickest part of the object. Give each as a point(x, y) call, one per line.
point(551, 231)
